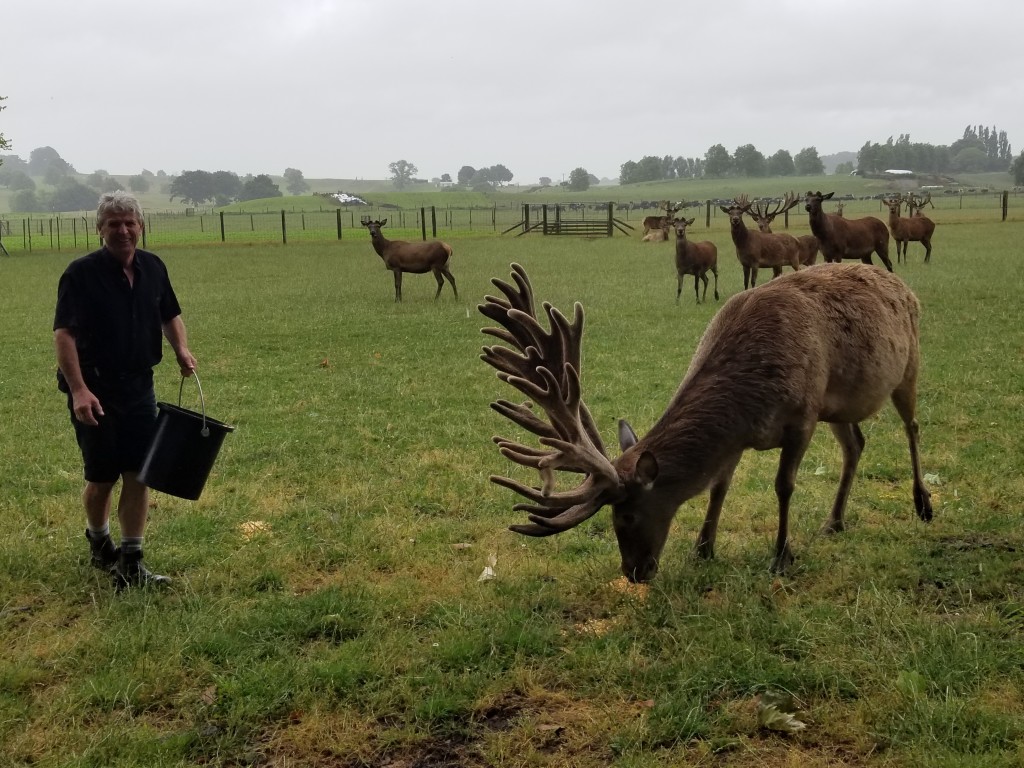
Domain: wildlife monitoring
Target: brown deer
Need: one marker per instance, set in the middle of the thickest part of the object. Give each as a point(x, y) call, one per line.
point(916, 207)
point(755, 249)
point(662, 222)
point(771, 365)
point(695, 259)
point(840, 238)
point(416, 258)
point(807, 244)
point(907, 229)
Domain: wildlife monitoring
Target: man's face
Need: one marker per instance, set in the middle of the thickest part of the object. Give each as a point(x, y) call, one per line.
point(120, 233)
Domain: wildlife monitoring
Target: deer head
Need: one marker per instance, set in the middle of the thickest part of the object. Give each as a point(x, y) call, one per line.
point(765, 211)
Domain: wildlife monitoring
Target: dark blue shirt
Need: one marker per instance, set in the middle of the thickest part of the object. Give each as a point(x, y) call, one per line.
point(117, 325)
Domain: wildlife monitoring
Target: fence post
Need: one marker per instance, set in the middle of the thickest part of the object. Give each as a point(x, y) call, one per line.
point(423, 222)
point(707, 217)
point(610, 209)
point(222, 239)
point(284, 230)
point(338, 211)
point(1006, 203)
point(433, 221)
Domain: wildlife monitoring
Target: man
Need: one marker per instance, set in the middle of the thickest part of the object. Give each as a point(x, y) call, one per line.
point(112, 307)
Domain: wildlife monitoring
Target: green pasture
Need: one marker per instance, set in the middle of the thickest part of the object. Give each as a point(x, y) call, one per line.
point(327, 607)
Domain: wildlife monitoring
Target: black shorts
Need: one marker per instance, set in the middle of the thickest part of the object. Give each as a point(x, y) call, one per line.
point(120, 442)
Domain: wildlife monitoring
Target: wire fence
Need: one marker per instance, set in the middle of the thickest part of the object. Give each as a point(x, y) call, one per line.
point(77, 233)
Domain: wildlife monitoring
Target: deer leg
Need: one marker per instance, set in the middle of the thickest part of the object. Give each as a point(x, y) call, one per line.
point(679, 286)
point(776, 271)
point(753, 277)
point(746, 277)
point(705, 545)
point(451, 279)
point(398, 284)
point(440, 282)
point(904, 398)
point(794, 445)
point(927, 243)
point(851, 441)
point(715, 271)
point(696, 286)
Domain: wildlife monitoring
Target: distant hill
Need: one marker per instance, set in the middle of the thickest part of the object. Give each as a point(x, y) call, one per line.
point(831, 161)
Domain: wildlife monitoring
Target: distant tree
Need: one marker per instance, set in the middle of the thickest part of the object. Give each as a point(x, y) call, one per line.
point(25, 201)
point(717, 161)
point(110, 184)
point(808, 163)
point(748, 162)
point(500, 174)
point(781, 164)
point(44, 160)
point(545, 181)
point(594, 181)
point(402, 172)
point(139, 182)
point(18, 180)
point(13, 163)
point(96, 178)
point(4, 142)
point(579, 180)
point(294, 181)
point(970, 159)
point(446, 177)
point(1017, 170)
point(844, 169)
point(259, 187)
point(226, 187)
point(73, 195)
point(193, 187)
point(466, 173)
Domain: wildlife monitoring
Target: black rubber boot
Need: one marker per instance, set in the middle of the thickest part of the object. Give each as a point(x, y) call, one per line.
point(132, 572)
point(104, 554)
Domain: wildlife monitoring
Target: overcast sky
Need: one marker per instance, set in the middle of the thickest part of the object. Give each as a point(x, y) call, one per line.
point(342, 88)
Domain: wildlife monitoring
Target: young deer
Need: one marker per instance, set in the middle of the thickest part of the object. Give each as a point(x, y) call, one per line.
point(756, 249)
point(695, 259)
point(841, 238)
point(417, 258)
point(907, 229)
point(771, 365)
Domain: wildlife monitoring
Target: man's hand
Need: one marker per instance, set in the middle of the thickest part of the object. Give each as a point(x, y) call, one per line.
point(87, 407)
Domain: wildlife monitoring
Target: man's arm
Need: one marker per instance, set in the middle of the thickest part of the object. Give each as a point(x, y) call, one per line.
point(174, 331)
point(85, 404)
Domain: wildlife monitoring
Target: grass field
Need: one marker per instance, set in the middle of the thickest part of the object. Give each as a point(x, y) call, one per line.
point(327, 609)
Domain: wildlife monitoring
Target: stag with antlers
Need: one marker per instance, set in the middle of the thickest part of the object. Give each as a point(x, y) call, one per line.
point(763, 216)
point(906, 229)
point(663, 223)
point(755, 249)
point(772, 363)
point(416, 258)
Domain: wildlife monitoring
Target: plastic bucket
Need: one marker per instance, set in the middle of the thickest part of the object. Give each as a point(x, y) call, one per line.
point(183, 450)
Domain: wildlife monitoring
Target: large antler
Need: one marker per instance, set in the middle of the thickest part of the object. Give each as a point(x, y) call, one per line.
point(759, 208)
point(545, 366)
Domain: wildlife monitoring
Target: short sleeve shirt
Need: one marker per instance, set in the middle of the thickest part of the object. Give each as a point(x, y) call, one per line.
point(117, 325)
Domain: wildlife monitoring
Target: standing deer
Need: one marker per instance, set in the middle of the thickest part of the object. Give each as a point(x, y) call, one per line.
point(841, 238)
point(416, 258)
point(662, 222)
point(755, 249)
point(907, 229)
point(807, 244)
point(771, 364)
point(695, 259)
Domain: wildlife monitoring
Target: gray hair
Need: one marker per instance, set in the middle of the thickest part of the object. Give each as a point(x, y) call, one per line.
point(118, 202)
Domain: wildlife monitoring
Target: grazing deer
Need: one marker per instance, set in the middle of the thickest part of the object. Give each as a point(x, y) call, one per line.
point(695, 259)
point(662, 222)
point(755, 249)
point(771, 365)
point(841, 238)
point(907, 229)
point(417, 258)
point(807, 244)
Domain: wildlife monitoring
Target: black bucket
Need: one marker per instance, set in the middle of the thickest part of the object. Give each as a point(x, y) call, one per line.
point(183, 450)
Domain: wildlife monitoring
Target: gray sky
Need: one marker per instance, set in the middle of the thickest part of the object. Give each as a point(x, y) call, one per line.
point(342, 88)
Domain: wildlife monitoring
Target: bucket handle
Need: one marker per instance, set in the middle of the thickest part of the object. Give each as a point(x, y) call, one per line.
point(205, 431)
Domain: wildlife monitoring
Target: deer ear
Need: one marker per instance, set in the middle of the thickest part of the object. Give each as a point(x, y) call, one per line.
point(627, 437)
point(828, 196)
point(724, 210)
point(384, 222)
point(646, 471)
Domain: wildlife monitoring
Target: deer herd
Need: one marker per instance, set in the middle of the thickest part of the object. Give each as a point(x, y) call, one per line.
point(827, 343)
